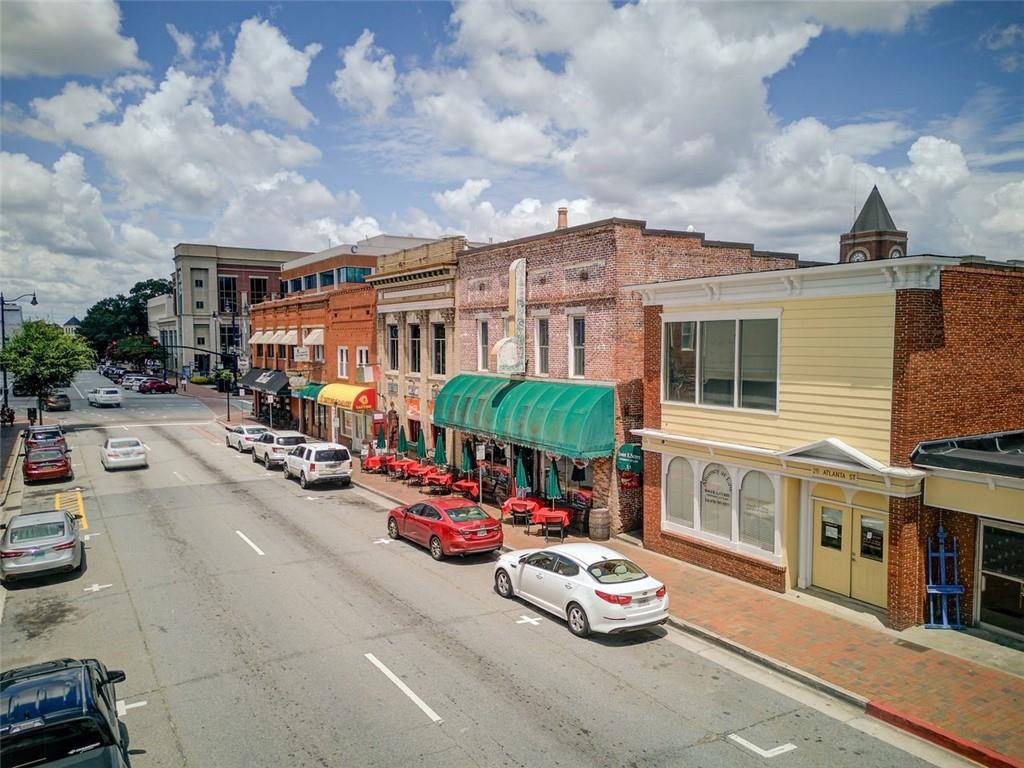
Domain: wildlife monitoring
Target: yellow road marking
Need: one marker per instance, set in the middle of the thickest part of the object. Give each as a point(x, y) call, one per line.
point(73, 504)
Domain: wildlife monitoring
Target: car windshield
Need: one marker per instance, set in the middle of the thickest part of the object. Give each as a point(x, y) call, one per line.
point(36, 531)
point(125, 444)
point(48, 744)
point(616, 571)
point(332, 454)
point(45, 455)
point(47, 435)
point(297, 440)
point(109, 392)
point(462, 514)
point(254, 430)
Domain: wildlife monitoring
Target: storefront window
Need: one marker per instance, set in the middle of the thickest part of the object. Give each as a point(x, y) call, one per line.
point(716, 501)
point(718, 362)
point(414, 348)
point(679, 492)
point(757, 511)
point(758, 363)
point(680, 362)
point(393, 347)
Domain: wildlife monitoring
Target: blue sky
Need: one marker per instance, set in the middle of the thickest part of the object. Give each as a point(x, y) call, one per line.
point(128, 128)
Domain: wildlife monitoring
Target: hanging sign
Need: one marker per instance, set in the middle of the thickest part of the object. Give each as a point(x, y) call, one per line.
point(630, 458)
point(629, 480)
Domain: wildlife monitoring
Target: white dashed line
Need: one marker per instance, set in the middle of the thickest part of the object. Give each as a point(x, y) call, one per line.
point(248, 541)
point(404, 688)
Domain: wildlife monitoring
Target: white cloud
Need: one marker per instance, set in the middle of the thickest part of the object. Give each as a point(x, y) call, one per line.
point(366, 81)
point(212, 42)
point(185, 43)
point(61, 38)
point(265, 68)
point(1008, 202)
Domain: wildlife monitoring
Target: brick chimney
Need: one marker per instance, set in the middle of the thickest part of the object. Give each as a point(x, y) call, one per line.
point(563, 218)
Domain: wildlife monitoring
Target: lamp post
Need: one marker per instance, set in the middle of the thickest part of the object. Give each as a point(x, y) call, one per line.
point(4, 303)
point(231, 354)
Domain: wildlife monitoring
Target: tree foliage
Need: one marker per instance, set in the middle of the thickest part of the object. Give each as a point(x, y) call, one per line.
point(120, 317)
point(135, 349)
point(42, 358)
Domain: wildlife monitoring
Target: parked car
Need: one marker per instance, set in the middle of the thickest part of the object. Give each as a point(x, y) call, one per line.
point(273, 446)
point(45, 436)
point(47, 464)
point(449, 526)
point(104, 396)
point(592, 587)
point(156, 386)
point(315, 463)
point(242, 437)
point(123, 453)
point(57, 402)
point(62, 712)
point(128, 381)
point(38, 543)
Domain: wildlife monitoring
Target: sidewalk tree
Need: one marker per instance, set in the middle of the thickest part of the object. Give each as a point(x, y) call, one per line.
point(42, 358)
point(119, 317)
point(135, 349)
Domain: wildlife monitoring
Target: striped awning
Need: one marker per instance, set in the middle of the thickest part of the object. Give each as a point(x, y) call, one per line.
point(259, 337)
point(291, 338)
point(276, 337)
point(315, 337)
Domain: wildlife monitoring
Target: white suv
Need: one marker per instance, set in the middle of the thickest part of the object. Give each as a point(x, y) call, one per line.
point(271, 447)
point(241, 438)
point(319, 463)
point(104, 396)
point(131, 380)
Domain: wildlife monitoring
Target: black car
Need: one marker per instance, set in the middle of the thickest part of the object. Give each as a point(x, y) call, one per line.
point(57, 402)
point(62, 712)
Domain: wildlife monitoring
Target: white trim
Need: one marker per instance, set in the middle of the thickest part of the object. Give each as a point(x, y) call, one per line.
point(364, 358)
point(695, 315)
point(857, 457)
point(342, 370)
point(536, 345)
point(990, 481)
point(414, 305)
point(540, 313)
point(571, 315)
point(482, 350)
point(806, 518)
point(392, 293)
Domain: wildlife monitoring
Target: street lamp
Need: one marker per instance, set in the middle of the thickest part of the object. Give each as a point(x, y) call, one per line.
point(4, 303)
point(231, 351)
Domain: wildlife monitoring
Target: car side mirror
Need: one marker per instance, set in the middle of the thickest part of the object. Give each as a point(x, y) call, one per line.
point(67, 450)
point(3, 526)
point(78, 517)
point(115, 676)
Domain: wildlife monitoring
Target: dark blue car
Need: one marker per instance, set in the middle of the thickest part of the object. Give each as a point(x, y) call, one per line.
point(61, 713)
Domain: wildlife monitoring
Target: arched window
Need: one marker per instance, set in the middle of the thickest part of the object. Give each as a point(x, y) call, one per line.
point(895, 253)
point(716, 501)
point(679, 492)
point(757, 511)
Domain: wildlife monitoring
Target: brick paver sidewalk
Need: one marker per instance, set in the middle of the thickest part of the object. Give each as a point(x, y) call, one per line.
point(973, 709)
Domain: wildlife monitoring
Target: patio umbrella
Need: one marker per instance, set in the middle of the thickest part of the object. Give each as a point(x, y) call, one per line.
point(440, 457)
point(421, 447)
point(467, 458)
point(403, 444)
point(522, 484)
point(553, 489)
point(382, 443)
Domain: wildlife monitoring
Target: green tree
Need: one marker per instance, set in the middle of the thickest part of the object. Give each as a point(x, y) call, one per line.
point(120, 317)
point(135, 349)
point(42, 358)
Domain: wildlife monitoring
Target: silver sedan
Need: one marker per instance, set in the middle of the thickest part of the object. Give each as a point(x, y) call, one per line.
point(123, 453)
point(39, 543)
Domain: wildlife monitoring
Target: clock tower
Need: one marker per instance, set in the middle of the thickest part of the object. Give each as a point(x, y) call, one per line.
point(873, 235)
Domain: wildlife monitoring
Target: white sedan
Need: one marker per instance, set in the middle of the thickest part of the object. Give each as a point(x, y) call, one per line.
point(242, 437)
point(123, 453)
point(592, 587)
point(104, 396)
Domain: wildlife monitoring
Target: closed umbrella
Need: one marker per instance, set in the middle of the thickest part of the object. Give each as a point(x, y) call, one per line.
point(522, 484)
point(421, 447)
point(403, 444)
point(382, 443)
point(440, 456)
point(553, 489)
point(467, 458)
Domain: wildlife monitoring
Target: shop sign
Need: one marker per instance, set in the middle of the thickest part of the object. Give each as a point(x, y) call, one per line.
point(301, 354)
point(412, 408)
point(630, 458)
point(833, 474)
point(481, 452)
point(297, 382)
point(378, 417)
point(716, 491)
point(392, 387)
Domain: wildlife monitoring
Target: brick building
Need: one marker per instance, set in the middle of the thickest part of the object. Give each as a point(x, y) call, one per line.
point(581, 335)
point(782, 412)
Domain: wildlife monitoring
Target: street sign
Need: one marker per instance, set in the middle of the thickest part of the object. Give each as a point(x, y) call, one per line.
point(630, 458)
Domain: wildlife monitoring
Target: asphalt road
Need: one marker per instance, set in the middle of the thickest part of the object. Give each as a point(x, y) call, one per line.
point(263, 625)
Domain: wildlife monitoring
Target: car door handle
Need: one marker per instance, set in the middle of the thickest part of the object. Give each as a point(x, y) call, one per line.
point(568, 586)
point(539, 576)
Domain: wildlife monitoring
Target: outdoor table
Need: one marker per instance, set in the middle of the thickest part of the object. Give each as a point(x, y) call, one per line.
point(419, 471)
point(399, 466)
point(546, 515)
point(438, 479)
point(469, 487)
point(373, 463)
point(514, 508)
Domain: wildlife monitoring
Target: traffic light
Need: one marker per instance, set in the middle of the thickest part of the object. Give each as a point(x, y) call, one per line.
point(154, 343)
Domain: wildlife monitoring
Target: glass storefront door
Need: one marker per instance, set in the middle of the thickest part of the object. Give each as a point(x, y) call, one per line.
point(1002, 577)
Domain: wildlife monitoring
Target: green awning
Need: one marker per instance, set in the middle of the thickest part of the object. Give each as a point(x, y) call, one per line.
point(310, 391)
point(575, 420)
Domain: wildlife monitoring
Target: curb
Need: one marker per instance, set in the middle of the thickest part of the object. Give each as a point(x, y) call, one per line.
point(945, 739)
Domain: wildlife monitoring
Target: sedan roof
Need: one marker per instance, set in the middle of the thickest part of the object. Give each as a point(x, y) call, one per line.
point(588, 554)
point(36, 518)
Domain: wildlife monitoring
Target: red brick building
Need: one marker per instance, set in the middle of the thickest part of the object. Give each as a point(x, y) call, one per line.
point(581, 391)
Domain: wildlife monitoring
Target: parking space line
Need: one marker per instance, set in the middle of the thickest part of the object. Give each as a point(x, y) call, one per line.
point(404, 688)
point(248, 541)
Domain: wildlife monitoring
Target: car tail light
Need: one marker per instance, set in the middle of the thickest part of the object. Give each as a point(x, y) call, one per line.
point(111, 454)
point(69, 545)
point(614, 599)
point(312, 467)
point(11, 553)
point(661, 592)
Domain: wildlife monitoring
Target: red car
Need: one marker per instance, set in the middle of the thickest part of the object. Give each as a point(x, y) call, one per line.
point(446, 526)
point(150, 386)
point(47, 464)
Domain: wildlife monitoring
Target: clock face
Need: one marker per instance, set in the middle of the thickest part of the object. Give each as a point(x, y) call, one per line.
point(859, 256)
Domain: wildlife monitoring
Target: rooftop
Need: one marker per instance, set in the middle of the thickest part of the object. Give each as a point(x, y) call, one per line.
point(1000, 453)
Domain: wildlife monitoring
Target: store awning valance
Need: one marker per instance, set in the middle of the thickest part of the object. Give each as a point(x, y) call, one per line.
point(250, 376)
point(313, 338)
point(259, 337)
point(275, 337)
point(310, 391)
point(291, 338)
point(575, 420)
point(271, 382)
point(350, 397)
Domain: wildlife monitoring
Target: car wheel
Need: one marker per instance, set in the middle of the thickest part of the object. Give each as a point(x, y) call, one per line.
point(284, 471)
point(238, 446)
point(436, 550)
point(503, 584)
point(227, 442)
point(346, 482)
point(392, 528)
point(266, 460)
point(254, 456)
point(577, 618)
point(302, 480)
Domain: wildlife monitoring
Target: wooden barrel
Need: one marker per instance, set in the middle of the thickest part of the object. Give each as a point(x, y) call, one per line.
point(600, 524)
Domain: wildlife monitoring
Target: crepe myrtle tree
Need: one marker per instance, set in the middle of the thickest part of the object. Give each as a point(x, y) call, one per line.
point(42, 358)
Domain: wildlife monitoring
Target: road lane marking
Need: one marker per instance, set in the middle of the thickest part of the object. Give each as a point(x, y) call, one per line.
point(248, 541)
point(773, 752)
point(531, 620)
point(382, 541)
point(71, 502)
point(96, 587)
point(179, 476)
point(78, 390)
point(404, 688)
point(124, 427)
point(122, 708)
point(88, 536)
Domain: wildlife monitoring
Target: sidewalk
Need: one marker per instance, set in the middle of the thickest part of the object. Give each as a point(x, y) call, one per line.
point(10, 444)
point(217, 402)
point(969, 708)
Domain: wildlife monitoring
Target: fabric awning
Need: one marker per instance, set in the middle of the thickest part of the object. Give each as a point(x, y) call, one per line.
point(257, 337)
point(313, 338)
point(274, 337)
point(310, 391)
point(574, 420)
point(250, 376)
point(291, 338)
point(351, 397)
point(271, 382)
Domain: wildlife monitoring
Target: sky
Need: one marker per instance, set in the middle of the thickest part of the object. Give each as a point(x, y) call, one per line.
point(127, 128)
